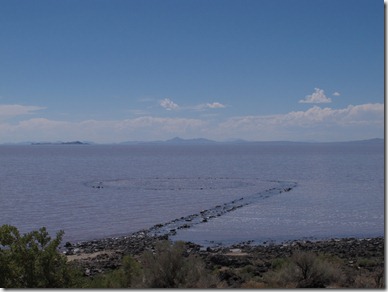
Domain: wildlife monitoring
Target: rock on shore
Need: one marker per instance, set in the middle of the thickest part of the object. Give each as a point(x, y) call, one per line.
point(98, 256)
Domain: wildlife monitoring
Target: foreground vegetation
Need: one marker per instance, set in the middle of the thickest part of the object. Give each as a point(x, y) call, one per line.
point(32, 260)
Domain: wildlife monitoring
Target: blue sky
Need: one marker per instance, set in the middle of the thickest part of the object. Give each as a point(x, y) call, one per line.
point(111, 70)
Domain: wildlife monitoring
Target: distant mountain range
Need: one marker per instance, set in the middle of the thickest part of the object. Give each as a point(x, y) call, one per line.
point(175, 140)
point(178, 140)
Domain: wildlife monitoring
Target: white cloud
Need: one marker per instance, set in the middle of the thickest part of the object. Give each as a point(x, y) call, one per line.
point(204, 106)
point(13, 110)
point(336, 93)
point(318, 96)
point(215, 105)
point(168, 104)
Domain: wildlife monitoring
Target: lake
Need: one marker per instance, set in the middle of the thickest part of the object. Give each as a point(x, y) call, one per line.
point(96, 191)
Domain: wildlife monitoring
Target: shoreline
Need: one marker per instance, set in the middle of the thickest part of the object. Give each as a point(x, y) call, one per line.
point(100, 256)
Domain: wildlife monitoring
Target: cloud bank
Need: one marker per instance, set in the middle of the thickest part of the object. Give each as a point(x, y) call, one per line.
point(353, 122)
point(367, 114)
point(316, 123)
point(13, 110)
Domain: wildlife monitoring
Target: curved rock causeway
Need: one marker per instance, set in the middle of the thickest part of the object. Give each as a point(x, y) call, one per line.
point(171, 227)
point(138, 241)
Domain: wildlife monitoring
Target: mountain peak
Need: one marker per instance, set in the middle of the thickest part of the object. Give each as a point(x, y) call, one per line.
point(179, 140)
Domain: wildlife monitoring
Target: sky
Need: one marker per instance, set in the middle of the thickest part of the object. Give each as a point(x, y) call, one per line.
point(141, 70)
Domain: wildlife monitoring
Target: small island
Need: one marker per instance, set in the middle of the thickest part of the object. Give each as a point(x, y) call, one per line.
point(61, 143)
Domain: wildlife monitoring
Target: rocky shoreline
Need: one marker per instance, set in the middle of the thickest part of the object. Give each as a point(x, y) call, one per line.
point(99, 256)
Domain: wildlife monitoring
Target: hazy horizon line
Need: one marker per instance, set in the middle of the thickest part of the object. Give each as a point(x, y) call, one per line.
point(178, 140)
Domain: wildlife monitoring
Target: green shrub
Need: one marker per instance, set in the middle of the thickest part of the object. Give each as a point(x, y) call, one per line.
point(367, 262)
point(168, 267)
point(32, 260)
point(303, 270)
point(127, 276)
point(370, 279)
point(278, 263)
